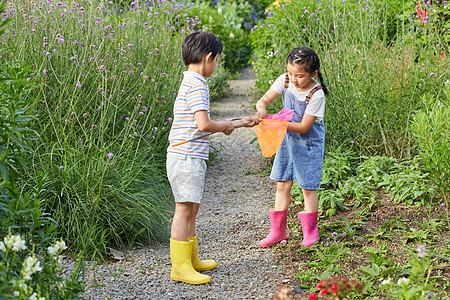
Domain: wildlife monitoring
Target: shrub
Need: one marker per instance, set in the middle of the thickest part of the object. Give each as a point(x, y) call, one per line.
point(224, 21)
point(431, 130)
point(375, 80)
point(21, 205)
point(107, 80)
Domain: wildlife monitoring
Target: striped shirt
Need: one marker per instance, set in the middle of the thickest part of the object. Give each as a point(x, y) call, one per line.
point(193, 96)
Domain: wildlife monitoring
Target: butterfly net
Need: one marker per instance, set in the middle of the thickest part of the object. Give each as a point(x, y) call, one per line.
point(270, 131)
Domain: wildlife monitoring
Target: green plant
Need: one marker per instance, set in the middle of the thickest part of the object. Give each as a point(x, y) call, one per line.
point(373, 66)
point(416, 280)
point(225, 22)
point(408, 182)
point(431, 131)
point(30, 274)
point(106, 83)
point(22, 275)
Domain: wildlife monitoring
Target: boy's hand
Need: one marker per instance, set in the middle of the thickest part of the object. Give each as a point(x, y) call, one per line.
point(229, 127)
point(251, 122)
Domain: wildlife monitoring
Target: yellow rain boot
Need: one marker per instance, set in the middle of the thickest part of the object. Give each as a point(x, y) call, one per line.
point(182, 270)
point(197, 263)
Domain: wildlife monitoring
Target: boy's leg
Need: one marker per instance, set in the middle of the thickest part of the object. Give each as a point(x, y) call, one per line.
point(308, 218)
point(181, 221)
point(181, 247)
point(192, 218)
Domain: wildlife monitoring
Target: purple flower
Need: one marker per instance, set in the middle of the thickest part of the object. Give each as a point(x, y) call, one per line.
point(421, 250)
point(45, 71)
point(102, 67)
point(78, 84)
point(61, 167)
point(110, 155)
point(334, 234)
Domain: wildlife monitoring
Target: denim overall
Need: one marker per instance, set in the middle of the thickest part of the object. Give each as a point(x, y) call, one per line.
point(300, 156)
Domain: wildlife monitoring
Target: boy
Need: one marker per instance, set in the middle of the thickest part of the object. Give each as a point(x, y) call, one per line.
point(186, 163)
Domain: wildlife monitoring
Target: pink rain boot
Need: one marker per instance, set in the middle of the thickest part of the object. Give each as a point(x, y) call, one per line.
point(309, 227)
point(277, 229)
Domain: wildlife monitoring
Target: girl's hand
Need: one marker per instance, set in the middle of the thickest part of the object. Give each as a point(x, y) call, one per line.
point(260, 114)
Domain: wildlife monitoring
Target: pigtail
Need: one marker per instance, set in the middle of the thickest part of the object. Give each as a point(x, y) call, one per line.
point(324, 88)
point(286, 81)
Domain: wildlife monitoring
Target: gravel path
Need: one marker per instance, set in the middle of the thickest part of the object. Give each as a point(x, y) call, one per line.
point(232, 218)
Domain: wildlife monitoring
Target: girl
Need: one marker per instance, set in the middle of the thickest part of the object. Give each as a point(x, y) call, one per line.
point(300, 156)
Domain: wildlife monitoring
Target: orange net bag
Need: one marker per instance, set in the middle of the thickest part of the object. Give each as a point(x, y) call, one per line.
point(270, 135)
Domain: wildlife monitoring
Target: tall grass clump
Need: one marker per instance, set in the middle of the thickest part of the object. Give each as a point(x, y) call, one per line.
point(107, 80)
point(431, 129)
point(378, 58)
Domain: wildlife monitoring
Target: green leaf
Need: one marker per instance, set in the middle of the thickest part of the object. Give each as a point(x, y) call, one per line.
point(4, 170)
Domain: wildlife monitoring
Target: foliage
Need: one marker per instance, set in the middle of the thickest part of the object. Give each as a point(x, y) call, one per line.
point(431, 130)
point(373, 63)
point(107, 82)
point(349, 181)
point(29, 274)
point(226, 23)
point(418, 275)
point(249, 12)
point(21, 205)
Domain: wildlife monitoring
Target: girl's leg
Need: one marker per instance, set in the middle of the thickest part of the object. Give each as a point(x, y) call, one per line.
point(181, 220)
point(282, 197)
point(311, 201)
point(278, 217)
point(308, 218)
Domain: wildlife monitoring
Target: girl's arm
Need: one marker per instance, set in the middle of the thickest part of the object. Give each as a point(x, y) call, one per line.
point(204, 123)
point(304, 126)
point(263, 103)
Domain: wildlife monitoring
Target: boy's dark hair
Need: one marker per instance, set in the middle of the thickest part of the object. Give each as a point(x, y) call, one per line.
point(198, 44)
point(309, 60)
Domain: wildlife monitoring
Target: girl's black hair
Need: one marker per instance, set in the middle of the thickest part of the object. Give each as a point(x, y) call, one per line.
point(309, 60)
point(198, 44)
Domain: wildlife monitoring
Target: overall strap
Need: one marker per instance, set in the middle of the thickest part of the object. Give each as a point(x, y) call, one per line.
point(312, 92)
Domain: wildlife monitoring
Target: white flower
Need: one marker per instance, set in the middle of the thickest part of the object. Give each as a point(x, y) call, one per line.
point(53, 250)
point(37, 267)
point(219, 10)
point(386, 281)
point(2, 247)
point(231, 35)
point(62, 245)
point(16, 293)
point(15, 243)
point(447, 82)
point(23, 286)
point(33, 297)
point(30, 265)
point(57, 248)
point(403, 280)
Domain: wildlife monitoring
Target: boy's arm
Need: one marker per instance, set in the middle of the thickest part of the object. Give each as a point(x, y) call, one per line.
point(204, 123)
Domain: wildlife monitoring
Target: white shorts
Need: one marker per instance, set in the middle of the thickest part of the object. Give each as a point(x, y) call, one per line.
point(187, 178)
